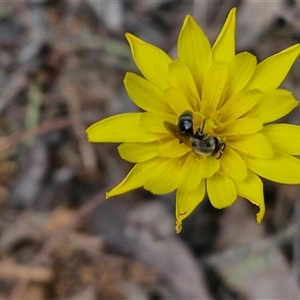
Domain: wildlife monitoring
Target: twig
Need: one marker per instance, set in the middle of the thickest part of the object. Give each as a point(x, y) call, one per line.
point(239, 253)
point(296, 244)
point(6, 142)
point(11, 270)
point(88, 155)
point(54, 240)
point(16, 84)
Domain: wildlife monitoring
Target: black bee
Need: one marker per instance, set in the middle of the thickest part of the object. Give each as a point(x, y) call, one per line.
point(200, 142)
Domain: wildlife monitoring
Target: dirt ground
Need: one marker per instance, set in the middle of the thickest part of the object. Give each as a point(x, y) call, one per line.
point(62, 69)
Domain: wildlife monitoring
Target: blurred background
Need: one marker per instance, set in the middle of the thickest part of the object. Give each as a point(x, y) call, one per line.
point(62, 64)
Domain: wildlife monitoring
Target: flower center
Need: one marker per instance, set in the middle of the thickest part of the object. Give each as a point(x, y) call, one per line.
point(209, 119)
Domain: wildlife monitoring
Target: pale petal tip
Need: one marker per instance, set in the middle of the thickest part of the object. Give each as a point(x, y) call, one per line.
point(232, 13)
point(178, 226)
point(93, 134)
point(125, 77)
point(295, 46)
point(188, 18)
point(189, 21)
point(109, 194)
point(128, 35)
point(294, 51)
point(132, 38)
point(231, 16)
point(260, 214)
point(89, 135)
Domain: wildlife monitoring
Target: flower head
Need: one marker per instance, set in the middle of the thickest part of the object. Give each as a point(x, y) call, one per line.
point(205, 126)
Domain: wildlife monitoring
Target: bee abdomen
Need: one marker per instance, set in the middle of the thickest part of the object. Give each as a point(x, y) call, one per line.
point(185, 123)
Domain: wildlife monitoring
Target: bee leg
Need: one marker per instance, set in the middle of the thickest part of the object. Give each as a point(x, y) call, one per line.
point(221, 151)
point(202, 125)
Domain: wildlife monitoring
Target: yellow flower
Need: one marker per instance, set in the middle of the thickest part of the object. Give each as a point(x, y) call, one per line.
point(205, 126)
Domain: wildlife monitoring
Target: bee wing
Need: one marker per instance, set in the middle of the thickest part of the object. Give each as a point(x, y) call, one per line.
point(174, 130)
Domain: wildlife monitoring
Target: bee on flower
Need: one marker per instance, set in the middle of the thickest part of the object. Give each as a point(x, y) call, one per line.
point(206, 122)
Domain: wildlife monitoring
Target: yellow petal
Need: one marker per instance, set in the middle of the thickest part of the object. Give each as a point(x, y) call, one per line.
point(211, 165)
point(144, 93)
point(281, 168)
point(165, 177)
point(221, 190)
point(182, 79)
point(154, 122)
point(284, 137)
point(256, 145)
point(186, 202)
point(271, 72)
point(173, 148)
point(239, 104)
point(224, 47)
point(125, 127)
point(176, 101)
point(252, 190)
point(274, 105)
point(151, 61)
point(242, 126)
point(191, 172)
point(194, 49)
point(138, 152)
point(241, 70)
point(136, 177)
point(234, 165)
point(215, 84)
